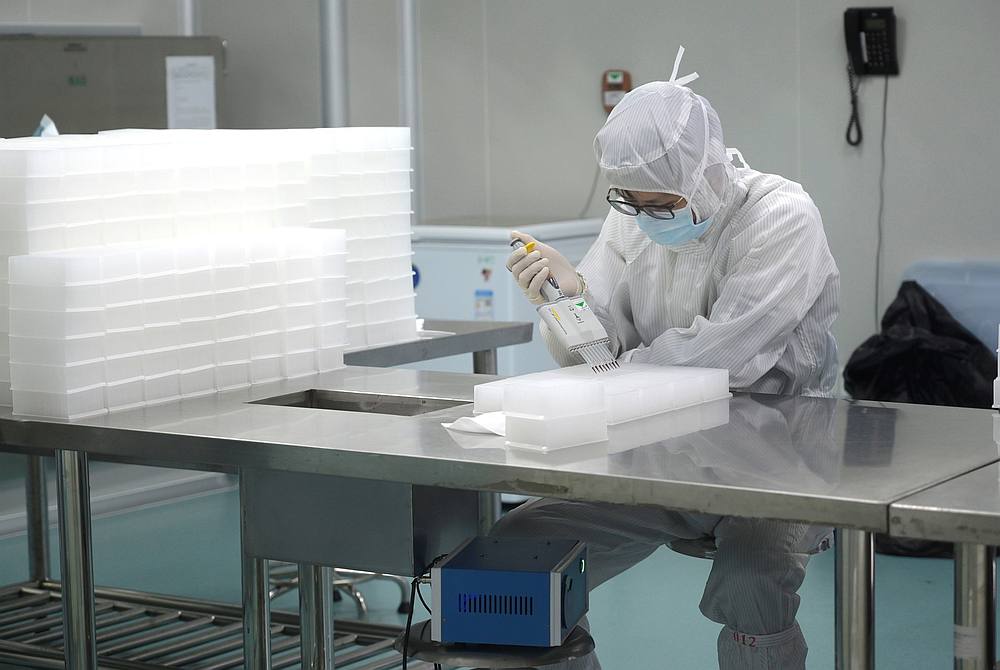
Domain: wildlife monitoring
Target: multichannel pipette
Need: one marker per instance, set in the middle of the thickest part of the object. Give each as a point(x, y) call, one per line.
point(572, 321)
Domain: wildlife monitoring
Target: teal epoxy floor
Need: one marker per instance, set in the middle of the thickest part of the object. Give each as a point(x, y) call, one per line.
point(646, 618)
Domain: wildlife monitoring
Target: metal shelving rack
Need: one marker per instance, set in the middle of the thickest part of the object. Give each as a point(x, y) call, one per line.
point(144, 631)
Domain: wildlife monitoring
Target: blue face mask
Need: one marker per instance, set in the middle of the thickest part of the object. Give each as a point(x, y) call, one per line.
point(673, 232)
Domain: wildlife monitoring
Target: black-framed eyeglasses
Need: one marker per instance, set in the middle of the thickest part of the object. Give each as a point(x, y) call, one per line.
point(617, 199)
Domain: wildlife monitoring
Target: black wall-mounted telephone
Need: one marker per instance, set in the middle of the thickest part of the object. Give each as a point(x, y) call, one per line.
point(870, 33)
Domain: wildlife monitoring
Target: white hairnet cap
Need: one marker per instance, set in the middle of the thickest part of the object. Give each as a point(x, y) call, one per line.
point(663, 137)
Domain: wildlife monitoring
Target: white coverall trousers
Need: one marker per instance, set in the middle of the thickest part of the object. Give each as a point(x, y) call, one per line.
point(751, 591)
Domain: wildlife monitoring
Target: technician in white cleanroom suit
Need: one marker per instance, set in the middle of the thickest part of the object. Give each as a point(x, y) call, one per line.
point(699, 264)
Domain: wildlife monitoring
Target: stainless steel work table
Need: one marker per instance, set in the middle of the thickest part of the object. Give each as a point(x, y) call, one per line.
point(816, 460)
point(964, 510)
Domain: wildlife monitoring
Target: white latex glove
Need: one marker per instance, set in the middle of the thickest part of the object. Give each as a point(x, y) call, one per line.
point(535, 262)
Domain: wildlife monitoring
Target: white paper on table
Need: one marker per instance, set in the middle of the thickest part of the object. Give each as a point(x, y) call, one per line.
point(490, 423)
point(191, 92)
point(476, 440)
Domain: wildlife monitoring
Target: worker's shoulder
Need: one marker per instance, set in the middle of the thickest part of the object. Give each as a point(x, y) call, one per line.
point(775, 214)
point(774, 200)
point(770, 192)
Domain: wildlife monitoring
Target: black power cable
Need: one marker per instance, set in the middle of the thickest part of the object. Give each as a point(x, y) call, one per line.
point(854, 137)
point(414, 594)
point(409, 623)
point(881, 208)
point(854, 134)
point(590, 196)
point(422, 601)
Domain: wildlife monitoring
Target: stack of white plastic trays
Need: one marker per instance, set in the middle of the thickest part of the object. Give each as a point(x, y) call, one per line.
point(360, 182)
point(154, 205)
point(118, 327)
point(240, 185)
point(200, 205)
point(290, 152)
point(81, 191)
point(127, 188)
point(327, 208)
point(31, 193)
point(634, 391)
point(72, 215)
point(264, 303)
point(124, 319)
point(49, 200)
point(299, 304)
point(57, 336)
point(260, 183)
point(331, 308)
point(28, 182)
point(537, 417)
point(161, 322)
point(196, 314)
point(93, 191)
point(231, 283)
point(384, 184)
point(390, 311)
point(123, 202)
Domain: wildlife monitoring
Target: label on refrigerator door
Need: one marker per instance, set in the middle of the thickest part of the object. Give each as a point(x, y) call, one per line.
point(484, 305)
point(969, 643)
point(191, 92)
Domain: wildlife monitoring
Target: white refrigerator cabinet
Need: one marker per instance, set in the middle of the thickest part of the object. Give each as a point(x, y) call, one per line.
point(461, 274)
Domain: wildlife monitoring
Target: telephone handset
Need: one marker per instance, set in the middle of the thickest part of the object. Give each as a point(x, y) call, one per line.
point(870, 33)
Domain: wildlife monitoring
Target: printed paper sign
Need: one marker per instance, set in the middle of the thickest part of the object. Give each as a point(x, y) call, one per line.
point(191, 92)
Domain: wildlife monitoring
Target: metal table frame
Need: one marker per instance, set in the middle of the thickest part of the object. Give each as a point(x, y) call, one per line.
point(945, 513)
point(854, 584)
point(854, 618)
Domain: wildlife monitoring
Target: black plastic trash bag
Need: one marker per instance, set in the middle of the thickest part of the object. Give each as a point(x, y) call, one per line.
point(923, 355)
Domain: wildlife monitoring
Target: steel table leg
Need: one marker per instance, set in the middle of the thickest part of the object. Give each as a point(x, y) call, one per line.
point(484, 362)
point(855, 606)
point(489, 511)
point(256, 615)
point(975, 607)
point(316, 616)
point(256, 603)
point(37, 506)
point(76, 559)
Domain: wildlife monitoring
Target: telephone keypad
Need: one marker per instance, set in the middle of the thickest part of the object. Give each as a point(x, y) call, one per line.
point(877, 48)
